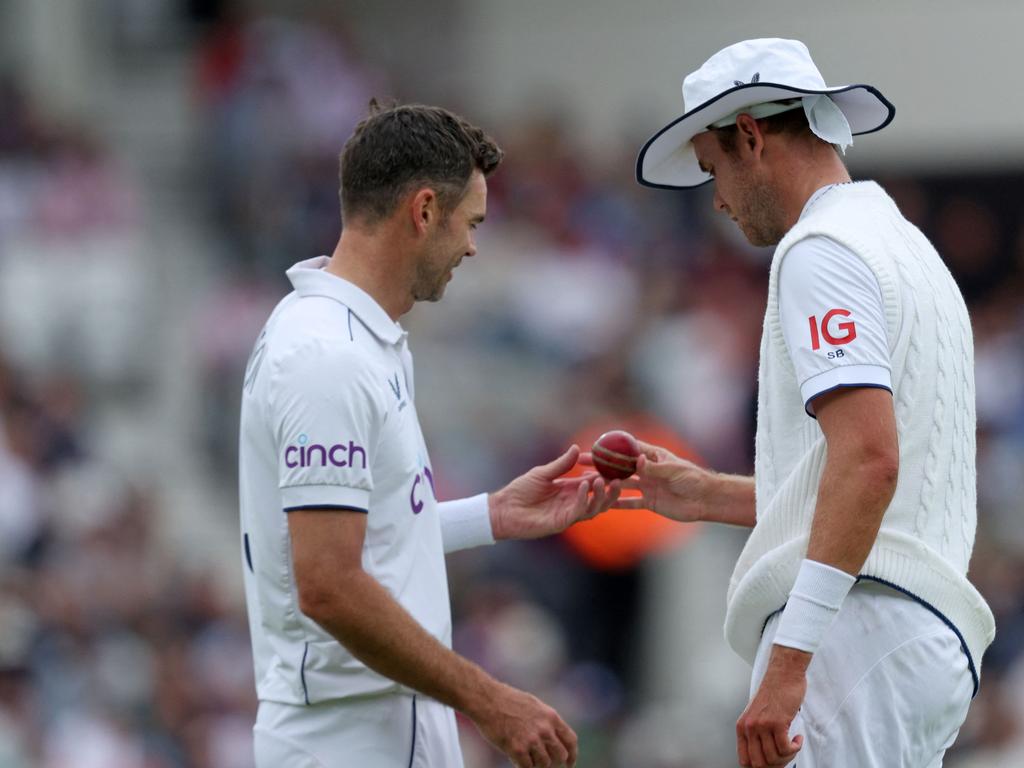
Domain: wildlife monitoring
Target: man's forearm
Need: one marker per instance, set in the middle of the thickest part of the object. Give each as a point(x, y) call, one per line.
point(857, 484)
point(854, 492)
point(378, 631)
point(729, 499)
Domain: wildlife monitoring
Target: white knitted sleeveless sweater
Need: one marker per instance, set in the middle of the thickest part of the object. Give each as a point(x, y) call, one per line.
point(927, 534)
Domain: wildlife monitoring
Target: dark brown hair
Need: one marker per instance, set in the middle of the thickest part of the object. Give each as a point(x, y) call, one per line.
point(397, 147)
point(793, 122)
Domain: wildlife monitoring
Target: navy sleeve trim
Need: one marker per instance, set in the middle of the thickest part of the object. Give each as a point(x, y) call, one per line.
point(248, 554)
point(807, 405)
point(327, 508)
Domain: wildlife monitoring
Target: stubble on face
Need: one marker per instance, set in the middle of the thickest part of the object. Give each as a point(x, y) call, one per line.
point(758, 214)
point(433, 269)
point(745, 196)
point(450, 242)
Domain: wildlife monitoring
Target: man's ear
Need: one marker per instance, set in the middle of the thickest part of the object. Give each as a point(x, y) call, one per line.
point(423, 209)
point(749, 137)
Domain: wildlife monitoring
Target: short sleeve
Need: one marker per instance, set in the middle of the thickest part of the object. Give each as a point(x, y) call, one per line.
point(833, 318)
point(326, 415)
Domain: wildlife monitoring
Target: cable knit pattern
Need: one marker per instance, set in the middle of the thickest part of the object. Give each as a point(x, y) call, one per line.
point(927, 533)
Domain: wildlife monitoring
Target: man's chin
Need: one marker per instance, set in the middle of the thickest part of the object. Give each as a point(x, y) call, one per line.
point(434, 296)
point(760, 239)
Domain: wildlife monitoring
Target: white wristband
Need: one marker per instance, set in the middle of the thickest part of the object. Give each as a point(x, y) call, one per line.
point(465, 523)
point(818, 592)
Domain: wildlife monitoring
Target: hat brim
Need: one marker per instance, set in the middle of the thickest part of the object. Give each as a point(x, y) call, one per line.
point(667, 160)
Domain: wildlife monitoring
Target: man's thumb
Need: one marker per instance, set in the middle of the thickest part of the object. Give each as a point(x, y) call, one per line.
point(561, 465)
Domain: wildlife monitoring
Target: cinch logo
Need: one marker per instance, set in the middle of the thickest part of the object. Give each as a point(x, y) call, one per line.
point(415, 500)
point(845, 332)
point(312, 455)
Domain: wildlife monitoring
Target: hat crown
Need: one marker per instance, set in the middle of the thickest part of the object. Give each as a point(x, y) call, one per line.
point(766, 60)
point(746, 74)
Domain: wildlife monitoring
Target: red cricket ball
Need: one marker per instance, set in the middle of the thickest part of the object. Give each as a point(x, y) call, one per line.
point(615, 454)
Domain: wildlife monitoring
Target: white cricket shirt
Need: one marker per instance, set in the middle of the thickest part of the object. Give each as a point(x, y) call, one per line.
point(924, 544)
point(832, 314)
point(328, 421)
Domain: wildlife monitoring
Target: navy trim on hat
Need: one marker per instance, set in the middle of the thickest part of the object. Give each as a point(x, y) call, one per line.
point(789, 88)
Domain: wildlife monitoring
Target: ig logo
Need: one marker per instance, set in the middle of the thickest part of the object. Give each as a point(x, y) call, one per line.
point(840, 333)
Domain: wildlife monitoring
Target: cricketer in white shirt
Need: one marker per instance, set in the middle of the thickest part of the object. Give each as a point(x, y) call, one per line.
point(329, 422)
point(865, 331)
point(833, 319)
point(343, 538)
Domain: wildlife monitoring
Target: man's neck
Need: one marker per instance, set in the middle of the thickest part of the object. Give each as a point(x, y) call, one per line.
point(820, 172)
point(374, 263)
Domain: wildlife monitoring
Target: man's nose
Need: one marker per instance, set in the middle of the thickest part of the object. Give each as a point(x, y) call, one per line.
point(719, 203)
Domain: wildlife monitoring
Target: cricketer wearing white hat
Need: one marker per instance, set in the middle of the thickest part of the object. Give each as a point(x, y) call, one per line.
point(748, 74)
point(850, 598)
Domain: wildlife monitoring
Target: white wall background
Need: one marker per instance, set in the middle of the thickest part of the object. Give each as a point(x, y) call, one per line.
point(952, 68)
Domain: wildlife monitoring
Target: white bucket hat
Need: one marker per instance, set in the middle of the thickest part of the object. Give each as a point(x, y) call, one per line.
point(746, 74)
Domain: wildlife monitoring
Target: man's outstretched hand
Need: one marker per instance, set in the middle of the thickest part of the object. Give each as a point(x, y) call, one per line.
point(542, 502)
point(671, 486)
point(678, 489)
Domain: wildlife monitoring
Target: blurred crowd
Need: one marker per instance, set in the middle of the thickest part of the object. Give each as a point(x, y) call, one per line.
point(112, 655)
point(67, 208)
point(591, 299)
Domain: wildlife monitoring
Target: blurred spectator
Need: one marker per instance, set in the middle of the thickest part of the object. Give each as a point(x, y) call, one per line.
point(110, 655)
point(72, 289)
point(279, 99)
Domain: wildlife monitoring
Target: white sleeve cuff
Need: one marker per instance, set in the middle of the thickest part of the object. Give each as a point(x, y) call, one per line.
point(465, 523)
point(324, 497)
point(844, 376)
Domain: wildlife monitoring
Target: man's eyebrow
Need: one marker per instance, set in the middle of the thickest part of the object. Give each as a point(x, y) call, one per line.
point(478, 218)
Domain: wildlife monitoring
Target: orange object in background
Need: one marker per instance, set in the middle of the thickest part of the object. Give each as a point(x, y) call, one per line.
point(621, 538)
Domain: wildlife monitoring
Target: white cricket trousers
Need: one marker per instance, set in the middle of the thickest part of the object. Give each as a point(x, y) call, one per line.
point(888, 688)
point(388, 731)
